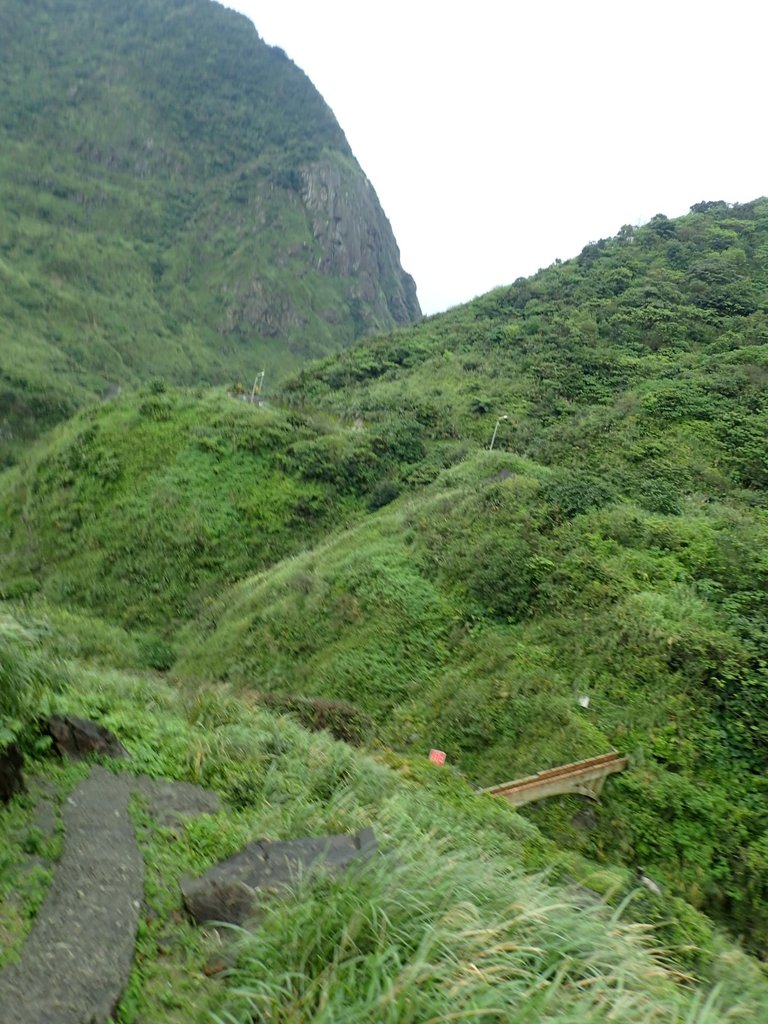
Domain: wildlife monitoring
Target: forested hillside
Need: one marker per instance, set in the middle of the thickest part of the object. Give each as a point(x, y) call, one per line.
point(176, 199)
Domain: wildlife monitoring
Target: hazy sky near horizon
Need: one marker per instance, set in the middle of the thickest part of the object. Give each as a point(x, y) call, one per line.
point(501, 136)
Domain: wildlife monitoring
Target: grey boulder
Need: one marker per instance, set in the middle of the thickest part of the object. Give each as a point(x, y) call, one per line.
point(229, 891)
point(75, 738)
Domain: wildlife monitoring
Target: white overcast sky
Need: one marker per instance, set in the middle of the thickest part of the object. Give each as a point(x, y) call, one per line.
point(501, 136)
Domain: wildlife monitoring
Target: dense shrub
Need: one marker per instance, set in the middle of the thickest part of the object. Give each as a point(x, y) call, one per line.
point(341, 719)
point(27, 677)
point(382, 494)
point(571, 493)
point(345, 461)
point(498, 574)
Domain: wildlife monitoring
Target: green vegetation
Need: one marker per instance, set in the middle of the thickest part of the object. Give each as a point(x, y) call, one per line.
point(352, 559)
point(154, 214)
point(449, 636)
point(452, 917)
point(26, 680)
point(200, 490)
point(359, 559)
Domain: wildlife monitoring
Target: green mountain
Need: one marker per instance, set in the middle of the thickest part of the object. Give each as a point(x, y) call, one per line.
point(447, 536)
point(176, 200)
point(358, 542)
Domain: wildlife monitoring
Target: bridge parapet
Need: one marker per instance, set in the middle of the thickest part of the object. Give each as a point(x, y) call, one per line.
point(586, 778)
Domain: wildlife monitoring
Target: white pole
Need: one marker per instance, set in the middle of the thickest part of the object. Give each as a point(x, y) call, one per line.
point(257, 380)
point(495, 432)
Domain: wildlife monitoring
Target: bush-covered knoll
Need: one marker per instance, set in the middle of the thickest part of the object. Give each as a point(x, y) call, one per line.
point(620, 553)
point(143, 508)
point(448, 919)
point(473, 618)
point(156, 166)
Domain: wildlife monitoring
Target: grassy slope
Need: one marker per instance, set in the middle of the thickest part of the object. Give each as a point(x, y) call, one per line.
point(152, 221)
point(394, 616)
point(448, 921)
point(615, 545)
point(144, 508)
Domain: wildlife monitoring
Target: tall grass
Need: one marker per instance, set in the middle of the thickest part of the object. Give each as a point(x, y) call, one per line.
point(27, 677)
point(420, 937)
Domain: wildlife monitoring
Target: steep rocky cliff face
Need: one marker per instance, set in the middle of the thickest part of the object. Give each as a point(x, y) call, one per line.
point(356, 239)
point(176, 199)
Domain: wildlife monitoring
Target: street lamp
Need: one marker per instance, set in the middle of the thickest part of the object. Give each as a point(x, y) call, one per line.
point(495, 432)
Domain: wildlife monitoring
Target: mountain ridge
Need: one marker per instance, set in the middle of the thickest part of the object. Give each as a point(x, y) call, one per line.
point(166, 184)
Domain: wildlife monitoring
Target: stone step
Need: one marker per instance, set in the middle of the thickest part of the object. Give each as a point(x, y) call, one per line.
point(77, 960)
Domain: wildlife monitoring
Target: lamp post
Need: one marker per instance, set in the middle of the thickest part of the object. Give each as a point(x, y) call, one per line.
point(258, 384)
point(495, 432)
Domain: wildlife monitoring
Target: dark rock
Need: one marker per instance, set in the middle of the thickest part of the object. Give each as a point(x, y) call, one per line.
point(355, 240)
point(222, 960)
point(228, 892)
point(218, 900)
point(11, 778)
point(342, 720)
point(170, 802)
point(75, 738)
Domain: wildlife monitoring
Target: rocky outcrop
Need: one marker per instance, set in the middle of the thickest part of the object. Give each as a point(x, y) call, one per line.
point(170, 802)
point(77, 960)
point(356, 239)
point(228, 892)
point(11, 778)
point(75, 738)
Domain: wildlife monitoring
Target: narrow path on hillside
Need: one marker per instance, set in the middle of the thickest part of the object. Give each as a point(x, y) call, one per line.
point(77, 960)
